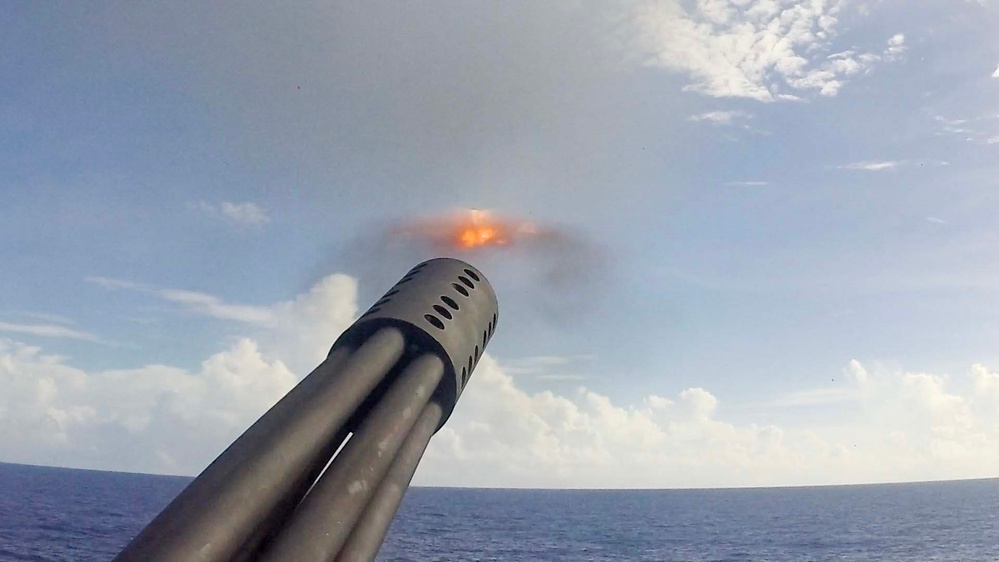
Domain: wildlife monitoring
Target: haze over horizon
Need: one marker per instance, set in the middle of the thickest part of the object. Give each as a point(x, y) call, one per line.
point(790, 206)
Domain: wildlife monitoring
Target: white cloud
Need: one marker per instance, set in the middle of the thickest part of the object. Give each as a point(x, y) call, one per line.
point(47, 317)
point(304, 328)
point(159, 418)
point(241, 214)
point(979, 130)
point(936, 220)
point(721, 117)
point(882, 165)
point(913, 426)
point(155, 418)
point(892, 424)
point(47, 331)
point(750, 183)
point(996, 73)
point(873, 165)
point(896, 47)
point(551, 368)
point(208, 305)
point(195, 303)
point(297, 329)
point(767, 50)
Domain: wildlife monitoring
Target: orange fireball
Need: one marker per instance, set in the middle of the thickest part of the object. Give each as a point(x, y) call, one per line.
point(480, 229)
point(467, 229)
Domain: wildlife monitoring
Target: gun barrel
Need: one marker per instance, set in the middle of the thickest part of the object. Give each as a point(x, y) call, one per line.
point(371, 528)
point(390, 381)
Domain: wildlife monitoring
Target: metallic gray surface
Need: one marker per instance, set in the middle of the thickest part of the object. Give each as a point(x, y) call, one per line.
point(366, 538)
point(260, 477)
point(416, 345)
point(460, 339)
point(321, 524)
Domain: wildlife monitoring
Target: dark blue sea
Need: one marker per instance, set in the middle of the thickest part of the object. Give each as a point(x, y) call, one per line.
point(62, 514)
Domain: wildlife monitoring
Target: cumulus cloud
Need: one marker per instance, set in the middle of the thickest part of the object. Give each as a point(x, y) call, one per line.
point(304, 328)
point(240, 214)
point(893, 424)
point(159, 418)
point(914, 426)
point(896, 47)
point(768, 50)
point(996, 73)
point(155, 418)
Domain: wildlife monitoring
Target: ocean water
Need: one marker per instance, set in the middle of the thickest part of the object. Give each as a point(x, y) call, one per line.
point(62, 514)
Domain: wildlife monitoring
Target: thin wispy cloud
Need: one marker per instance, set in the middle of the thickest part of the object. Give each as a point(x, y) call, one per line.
point(109, 283)
point(883, 165)
point(955, 126)
point(48, 331)
point(195, 302)
point(935, 220)
point(210, 305)
point(240, 214)
point(979, 130)
point(873, 165)
point(52, 318)
point(550, 367)
point(721, 117)
point(751, 183)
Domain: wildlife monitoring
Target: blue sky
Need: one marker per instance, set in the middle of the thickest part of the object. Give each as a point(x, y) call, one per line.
point(793, 203)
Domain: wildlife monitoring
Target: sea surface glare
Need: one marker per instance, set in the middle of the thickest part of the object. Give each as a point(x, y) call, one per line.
point(63, 514)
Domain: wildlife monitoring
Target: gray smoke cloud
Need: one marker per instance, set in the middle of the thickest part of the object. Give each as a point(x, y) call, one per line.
point(553, 271)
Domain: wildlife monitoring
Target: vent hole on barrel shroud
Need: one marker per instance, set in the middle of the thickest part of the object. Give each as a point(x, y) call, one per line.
point(460, 289)
point(435, 321)
point(450, 302)
point(472, 274)
point(443, 311)
point(466, 282)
